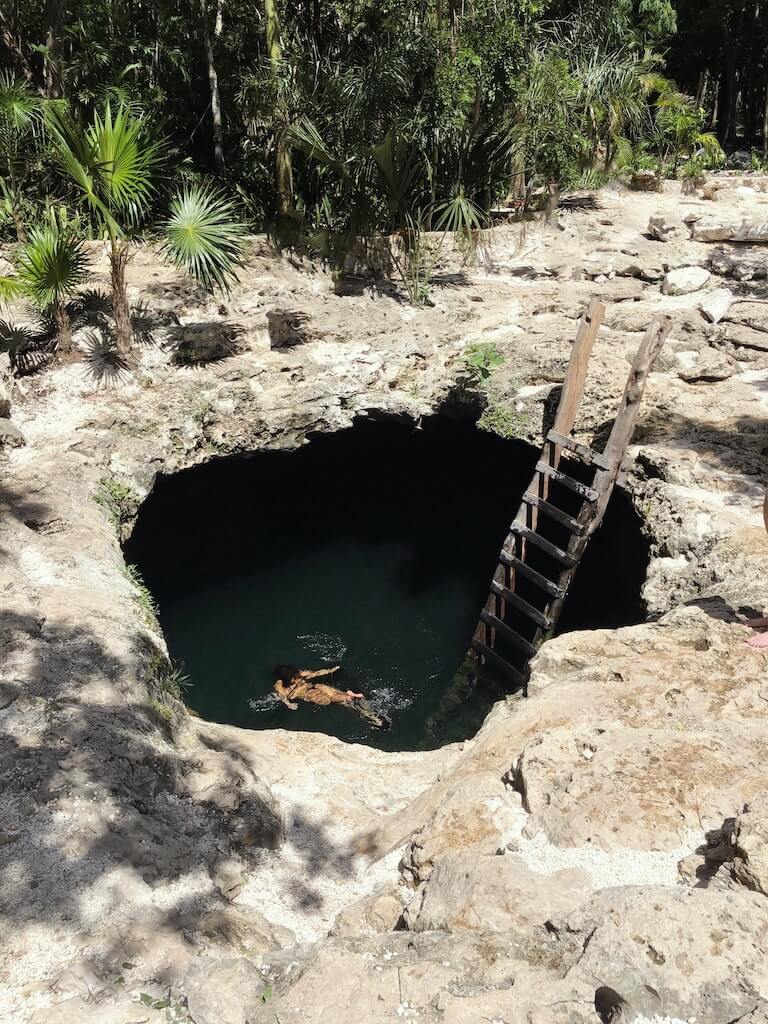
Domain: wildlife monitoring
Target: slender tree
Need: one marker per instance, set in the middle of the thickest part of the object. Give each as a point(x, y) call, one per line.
point(213, 80)
point(283, 169)
point(115, 165)
point(50, 266)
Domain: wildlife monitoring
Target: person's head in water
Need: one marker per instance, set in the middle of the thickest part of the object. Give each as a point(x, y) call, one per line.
point(288, 673)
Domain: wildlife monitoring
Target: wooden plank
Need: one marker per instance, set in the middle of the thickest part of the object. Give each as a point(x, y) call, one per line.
point(544, 545)
point(509, 634)
point(629, 407)
point(589, 493)
point(515, 601)
point(554, 513)
point(498, 662)
point(535, 577)
point(588, 455)
point(576, 375)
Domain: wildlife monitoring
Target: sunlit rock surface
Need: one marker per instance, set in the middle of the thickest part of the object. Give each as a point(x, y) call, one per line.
point(146, 856)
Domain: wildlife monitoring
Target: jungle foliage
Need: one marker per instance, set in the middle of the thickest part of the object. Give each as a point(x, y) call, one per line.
point(329, 123)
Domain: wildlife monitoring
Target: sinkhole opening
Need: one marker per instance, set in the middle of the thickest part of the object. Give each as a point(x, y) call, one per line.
point(372, 548)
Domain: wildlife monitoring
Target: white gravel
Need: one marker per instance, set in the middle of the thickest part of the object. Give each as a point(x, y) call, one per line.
point(663, 1020)
point(307, 883)
point(606, 868)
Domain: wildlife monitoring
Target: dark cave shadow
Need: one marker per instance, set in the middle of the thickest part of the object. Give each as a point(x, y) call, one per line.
point(117, 752)
point(201, 343)
point(103, 752)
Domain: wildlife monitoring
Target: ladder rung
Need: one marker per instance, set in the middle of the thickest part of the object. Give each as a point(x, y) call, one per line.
point(592, 458)
point(499, 662)
point(567, 481)
point(546, 546)
point(536, 577)
point(515, 601)
point(508, 633)
point(554, 513)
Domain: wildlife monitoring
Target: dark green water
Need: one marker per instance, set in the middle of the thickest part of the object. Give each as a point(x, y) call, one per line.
point(371, 548)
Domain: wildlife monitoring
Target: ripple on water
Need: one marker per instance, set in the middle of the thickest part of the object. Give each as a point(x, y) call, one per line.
point(325, 646)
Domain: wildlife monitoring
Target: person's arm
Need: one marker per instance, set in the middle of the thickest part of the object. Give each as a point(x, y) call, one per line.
point(282, 692)
point(317, 673)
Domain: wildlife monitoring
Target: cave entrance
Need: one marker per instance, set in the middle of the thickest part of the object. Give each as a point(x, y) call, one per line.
point(371, 547)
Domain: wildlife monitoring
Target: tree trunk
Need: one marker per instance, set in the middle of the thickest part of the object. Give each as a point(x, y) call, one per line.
point(552, 202)
point(701, 90)
point(283, 170)
point(118, 261)
point(63, 330)
point(18, 222)
point(54, 17)
point(213, 83)
point(765, 125)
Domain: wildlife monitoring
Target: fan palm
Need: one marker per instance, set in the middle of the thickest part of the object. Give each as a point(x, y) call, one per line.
point(203, 236)
point(50, 266)
point(116, 165)
point(21, 129)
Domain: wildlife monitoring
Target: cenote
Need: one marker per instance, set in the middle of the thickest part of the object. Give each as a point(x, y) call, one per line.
point(371, 548)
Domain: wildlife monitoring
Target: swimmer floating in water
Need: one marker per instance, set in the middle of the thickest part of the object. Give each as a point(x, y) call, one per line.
point(294, 684)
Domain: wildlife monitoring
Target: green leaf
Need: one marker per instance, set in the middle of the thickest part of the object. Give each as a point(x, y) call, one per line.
point(204, 237)
point(51, 265)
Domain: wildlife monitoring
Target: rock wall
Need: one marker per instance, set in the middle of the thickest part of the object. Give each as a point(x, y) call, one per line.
point(597, 849)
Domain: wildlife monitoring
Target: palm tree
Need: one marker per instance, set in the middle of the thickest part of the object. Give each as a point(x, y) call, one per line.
point(50, 266)
point(21, 131)
point(116, 165)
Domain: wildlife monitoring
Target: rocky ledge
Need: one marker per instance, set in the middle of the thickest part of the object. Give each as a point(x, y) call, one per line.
point(598, 850)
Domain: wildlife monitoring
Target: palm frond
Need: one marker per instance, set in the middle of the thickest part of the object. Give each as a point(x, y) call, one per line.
point(51, 265)
point(126, 160)
point(204, 237)
point(10, 288)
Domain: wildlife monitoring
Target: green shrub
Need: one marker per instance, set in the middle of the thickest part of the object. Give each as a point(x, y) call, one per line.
point(478, 363)
point(167, 678)
point(165, 712)
point(503, 420)
point(143, 597)
point(118, 500)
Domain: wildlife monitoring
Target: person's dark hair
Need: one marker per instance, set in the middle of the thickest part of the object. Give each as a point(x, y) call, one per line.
point(285, 672)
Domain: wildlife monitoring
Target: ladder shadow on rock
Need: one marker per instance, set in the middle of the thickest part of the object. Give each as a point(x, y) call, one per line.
point(560, 511)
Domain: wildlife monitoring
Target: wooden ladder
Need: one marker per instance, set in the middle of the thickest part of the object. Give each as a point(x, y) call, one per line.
point(559, 512)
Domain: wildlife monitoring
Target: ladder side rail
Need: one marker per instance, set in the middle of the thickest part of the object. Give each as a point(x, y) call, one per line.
point(629, 407)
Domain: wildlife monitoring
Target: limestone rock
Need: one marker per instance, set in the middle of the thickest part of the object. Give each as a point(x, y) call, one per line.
point(466, 812)
point(661, 229)
point(750, 856)
point(493, 894)
point(746, 336)
point(646, 181)
point(224, 991)
point(710, 229)
point(10, 435)
point(743, 264)
point(708, 368)
point(716, 304)
point(380, 912)
point(685, 280)
point(432, 978)
point(248, 932)
point(121, 1010)
point(669, 952)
